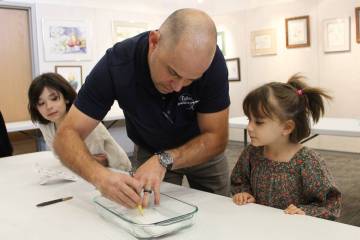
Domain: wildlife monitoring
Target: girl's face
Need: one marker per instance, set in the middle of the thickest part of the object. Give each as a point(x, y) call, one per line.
point(51, 105)
point(266, 131)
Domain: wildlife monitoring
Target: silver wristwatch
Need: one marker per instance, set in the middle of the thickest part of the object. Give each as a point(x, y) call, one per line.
point(166, 160)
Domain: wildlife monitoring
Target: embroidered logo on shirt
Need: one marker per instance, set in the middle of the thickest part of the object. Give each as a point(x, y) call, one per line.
point(187, 101)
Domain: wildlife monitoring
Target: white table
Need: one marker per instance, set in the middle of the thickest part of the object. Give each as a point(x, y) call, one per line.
point(346, 127)
point(217, 218)
point(114, 114)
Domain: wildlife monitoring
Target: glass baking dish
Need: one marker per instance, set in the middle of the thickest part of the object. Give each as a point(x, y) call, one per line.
point(170, 216)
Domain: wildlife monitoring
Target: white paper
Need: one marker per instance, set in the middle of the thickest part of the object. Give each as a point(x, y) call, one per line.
point(54, 174)
point(263, 42)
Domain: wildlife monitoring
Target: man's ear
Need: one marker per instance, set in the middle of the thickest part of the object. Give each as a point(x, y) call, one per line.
point(154, 37)
point(289, 126)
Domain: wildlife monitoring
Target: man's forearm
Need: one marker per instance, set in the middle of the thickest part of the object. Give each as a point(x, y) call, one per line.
point(75, 155)
point(198, 150)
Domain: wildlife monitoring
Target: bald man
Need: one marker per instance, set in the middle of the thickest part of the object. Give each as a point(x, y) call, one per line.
point(172, 86)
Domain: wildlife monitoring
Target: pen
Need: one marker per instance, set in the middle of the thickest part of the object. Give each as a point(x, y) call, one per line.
point(139, 207)
point(141, 210)
point(53, 201)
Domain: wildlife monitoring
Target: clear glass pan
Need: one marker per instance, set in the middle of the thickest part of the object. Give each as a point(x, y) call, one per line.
point(170, 216)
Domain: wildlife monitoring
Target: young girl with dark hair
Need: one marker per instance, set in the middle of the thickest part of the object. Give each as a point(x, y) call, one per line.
point(276, 170)
point(50, 98)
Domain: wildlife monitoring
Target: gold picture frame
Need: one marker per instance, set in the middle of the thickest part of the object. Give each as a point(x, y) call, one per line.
point(73, 74)
point(297, 32)
point(263, 42)
point(122, 30)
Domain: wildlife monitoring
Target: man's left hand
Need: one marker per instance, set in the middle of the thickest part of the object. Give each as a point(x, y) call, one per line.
point(151, 174)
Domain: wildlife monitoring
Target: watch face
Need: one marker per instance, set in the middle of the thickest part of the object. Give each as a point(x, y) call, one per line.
point(166, 160)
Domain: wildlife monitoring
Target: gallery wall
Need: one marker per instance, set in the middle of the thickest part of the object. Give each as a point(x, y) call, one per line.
point(339, 73)
point(100, 20)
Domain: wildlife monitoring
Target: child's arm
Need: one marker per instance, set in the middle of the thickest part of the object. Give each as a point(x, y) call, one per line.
point(319, 187)
point(240, 176)
point(116, 156)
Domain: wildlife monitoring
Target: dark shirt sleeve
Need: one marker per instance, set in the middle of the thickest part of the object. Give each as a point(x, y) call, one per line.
point(215, 91)
point(5, 145)
point(320, 189)
point(240, 176)
point(97, 95)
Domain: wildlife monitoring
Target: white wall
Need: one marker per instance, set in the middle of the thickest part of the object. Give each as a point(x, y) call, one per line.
point(100, 19)
point(337, 72)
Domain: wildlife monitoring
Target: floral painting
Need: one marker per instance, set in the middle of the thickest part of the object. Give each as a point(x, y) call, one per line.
point(66, 40)
point(73, 74)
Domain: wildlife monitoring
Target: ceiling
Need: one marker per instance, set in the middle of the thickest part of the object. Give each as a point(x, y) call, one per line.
point(215, 7)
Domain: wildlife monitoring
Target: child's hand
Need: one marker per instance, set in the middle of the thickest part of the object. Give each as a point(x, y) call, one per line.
point(102, 159)
point(292, 209)
point(243, 198)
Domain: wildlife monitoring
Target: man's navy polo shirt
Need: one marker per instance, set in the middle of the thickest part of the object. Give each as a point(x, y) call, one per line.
point(154, 121)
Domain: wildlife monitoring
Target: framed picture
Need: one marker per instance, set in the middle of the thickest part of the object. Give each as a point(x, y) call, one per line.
point(122, 30)
point(66, 40)
point(73, 74)
point(263, 42)
point(336, 34)
point(221, 41)
point(357, 24)
point(297, 32)
point(233, 66)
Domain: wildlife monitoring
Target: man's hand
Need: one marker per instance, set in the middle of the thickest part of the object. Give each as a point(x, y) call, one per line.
point(70, 146)
point(292, 209)
point(151, 174)
point(120, 188)
point(243, 198)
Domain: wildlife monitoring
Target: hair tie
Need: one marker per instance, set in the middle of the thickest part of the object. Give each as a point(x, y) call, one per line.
point(299, 92)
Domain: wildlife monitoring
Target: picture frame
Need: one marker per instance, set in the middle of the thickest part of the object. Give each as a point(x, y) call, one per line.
point(73, 74)
point(357, 24)
point(336, 35)
point(221, 42)
point(297, 32)
point(66, 40)
point(233, 66)
point(122, 30)
point(263, 42)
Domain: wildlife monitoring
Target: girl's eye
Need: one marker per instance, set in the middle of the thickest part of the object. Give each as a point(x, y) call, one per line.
point(55, 98)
